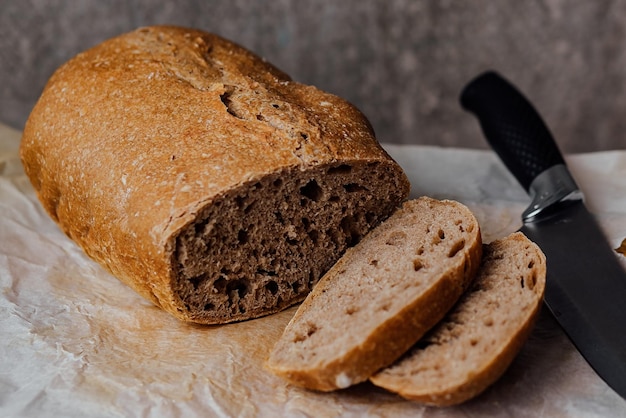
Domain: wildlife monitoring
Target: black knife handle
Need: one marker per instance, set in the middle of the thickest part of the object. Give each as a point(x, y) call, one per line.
point(512, 127)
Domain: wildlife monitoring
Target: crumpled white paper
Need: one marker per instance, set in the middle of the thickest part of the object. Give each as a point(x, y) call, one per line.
point(76, 342)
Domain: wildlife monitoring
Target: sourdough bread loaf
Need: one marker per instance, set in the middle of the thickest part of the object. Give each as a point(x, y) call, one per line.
point(476, 342)
point(381, 296)
point(201, 175)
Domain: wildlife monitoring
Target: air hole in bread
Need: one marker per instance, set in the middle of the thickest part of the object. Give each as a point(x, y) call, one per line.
point(417, 264)
point(521, 281)
point(242, 236)
point(353, 187)
point(296, 286)
point(312, 191)
point(237, 287)
point(219, 285)
point(262, 272)
point(314, 235)
point(531, 264)
point(458, 246)
point(441, 234)
point(340, 169)
point(374, 263)
point(197, 280)
point(304, 136)
point(351, 310)
point(488, 322)
point(248, 208)
point(200, 226)
point(272, 287)
point(279, 218)
point(351, 230)
point(310, 330)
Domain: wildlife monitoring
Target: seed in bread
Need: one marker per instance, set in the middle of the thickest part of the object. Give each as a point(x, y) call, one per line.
point(477, 341)
point(381, 296)
point(203, 176)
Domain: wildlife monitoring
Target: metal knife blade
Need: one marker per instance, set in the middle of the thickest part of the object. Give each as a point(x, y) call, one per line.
point(586, 285)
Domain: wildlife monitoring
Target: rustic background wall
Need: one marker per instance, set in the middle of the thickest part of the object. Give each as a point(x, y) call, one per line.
point(402, 62)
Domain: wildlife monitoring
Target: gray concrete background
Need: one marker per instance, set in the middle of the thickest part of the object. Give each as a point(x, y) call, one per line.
point(402, 62)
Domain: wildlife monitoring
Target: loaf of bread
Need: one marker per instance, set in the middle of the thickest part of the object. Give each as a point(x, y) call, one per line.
point(476, 342)
point(381, 296)
point(201, 175)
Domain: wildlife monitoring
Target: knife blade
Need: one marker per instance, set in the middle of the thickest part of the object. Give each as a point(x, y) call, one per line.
point(585, 285)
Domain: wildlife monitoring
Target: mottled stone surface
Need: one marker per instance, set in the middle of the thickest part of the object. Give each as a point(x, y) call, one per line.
point(402, 62)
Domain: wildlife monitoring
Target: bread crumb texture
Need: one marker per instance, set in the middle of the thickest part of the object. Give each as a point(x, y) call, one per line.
point(381, 296)
point(203, 176)
point(477, 340)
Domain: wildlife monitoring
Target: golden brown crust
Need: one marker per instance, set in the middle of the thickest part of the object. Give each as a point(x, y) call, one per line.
point(131, 139)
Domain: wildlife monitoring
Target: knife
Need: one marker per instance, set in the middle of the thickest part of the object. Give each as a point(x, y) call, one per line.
point(585, 285)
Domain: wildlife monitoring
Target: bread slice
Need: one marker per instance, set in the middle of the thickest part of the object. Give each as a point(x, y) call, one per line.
point(203, 176)
point(476, 342)
point(381, 296)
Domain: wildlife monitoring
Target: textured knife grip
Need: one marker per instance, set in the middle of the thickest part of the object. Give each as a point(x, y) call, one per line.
point(512, 127)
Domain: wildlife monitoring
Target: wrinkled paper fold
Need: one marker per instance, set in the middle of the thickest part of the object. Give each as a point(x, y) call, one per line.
point(75, 342)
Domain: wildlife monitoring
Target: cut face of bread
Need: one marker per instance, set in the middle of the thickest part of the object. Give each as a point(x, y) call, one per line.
point(272, 240)
point(201, 175)
point(381, 296)
point(475, 343)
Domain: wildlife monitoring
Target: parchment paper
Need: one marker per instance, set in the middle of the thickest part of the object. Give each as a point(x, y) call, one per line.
point(75, 342)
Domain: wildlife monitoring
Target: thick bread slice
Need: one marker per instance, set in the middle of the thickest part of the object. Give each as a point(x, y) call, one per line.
point(472, 347)
point(201, 175)
point(381, 296)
